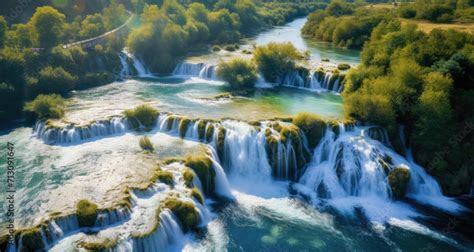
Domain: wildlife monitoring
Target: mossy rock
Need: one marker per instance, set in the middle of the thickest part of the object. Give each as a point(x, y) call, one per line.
point(385, 166)
point(104, 245)
point(170, 121)
point(202, 166)
point(144, 115)
point(202, 128)
point(188, 177)
point(3, 242)
point(164, 176)
point(343, 66)
point(184, 211)
point(32, 239)
point(197, 195)
point(312, 126)
point(398, 180)
point(276, 126)
point(86, 213)
point(220, 141)
point(183, 127)
point(210, 132)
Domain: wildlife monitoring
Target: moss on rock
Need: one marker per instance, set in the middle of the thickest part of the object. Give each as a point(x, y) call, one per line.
point(183, 126)
point(398, 179)
point(312, 126)
point(202, 166)
point(32, 239)
point(86, 213)
point(202, 128)
point(197, 195)
point(163, 176)
point(210, 132)
point(144, 115)
point(105, 244)
point(184, 211)
point(188, 177)
point(220, 142)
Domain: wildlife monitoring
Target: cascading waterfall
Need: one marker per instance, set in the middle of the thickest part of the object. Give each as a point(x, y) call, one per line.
point(316, 80)
point(72, 134)
point(348, 168)
point(200, 70)
point(138, 65)
point(125, 67)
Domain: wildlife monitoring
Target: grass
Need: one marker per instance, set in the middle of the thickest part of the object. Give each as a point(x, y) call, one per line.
point(146, 144)
point(105, 244)
point(197, 195)
point(164, 176)
point(427, 26)
point(144, 115)
point(185, 211)
point(202, 166)
point(188, 177)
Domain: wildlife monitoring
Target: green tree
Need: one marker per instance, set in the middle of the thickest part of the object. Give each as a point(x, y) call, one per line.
point(55, 80)
point(198, 12)
point(48, 26)
point(238, 73)
point(274, 60)
point(3, 31)
point(47, 106)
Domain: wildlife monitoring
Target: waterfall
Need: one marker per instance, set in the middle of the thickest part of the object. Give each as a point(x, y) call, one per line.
point(200, 70)
point(72, 134)
point(125, 67)
point(349, 167)
point(316, 81)
point(142, 71)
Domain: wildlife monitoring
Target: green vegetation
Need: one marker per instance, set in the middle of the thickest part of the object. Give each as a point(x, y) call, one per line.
point(86, 213)
point(343, 66)
point(146, 144)
point(188, 177)
point(183, 126)
point(210, 132)
point(142, 116)
point(179, 29)
point(32, 239)
point(163, 176)
point(238, 73)
point(335, 25)
point(46, 106)
point(197, 195)
point(202, 128)
point(185, 211)
point(312, 126)
point(220, 141)
point(422, 81)
point(274, 60)
point(103, 245)
point(398, 180)
point(202, 166)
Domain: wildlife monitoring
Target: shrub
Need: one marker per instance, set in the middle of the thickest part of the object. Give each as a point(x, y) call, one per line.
point(146, 144)
point(238, 73)
point(274, 60)
point(143, 115)
point(312, 126)
point(184, 211)
point(197, 195)
point(103, 245)
point(229, 48)
point(55, 80)
point(407, 11)
point(46, 106)
point(216, 48)
point(343, 66)
point(202, 166)
point(398, 179)
point(86, 213)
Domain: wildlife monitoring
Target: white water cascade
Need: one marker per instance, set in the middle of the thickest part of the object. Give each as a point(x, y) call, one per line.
point(315, 81)
point(346, 171)
point(142, 71)
point(125, 67)
point(200, 70)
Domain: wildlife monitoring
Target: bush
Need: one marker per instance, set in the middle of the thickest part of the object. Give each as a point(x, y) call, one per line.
point(343, 66)
point(202, 166)
point(55, 80)
point(398, 180)
point(312, 126)
point(238, 73)
point(86, 213)
point(275, 60)
point(143, 115)
point(184, 211)
point(146, 144)
point(229, 48)
point(46, 106)
point(407, 11)
point(216, 48)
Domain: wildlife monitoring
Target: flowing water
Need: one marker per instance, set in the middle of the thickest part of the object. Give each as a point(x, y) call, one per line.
point(339, 199)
